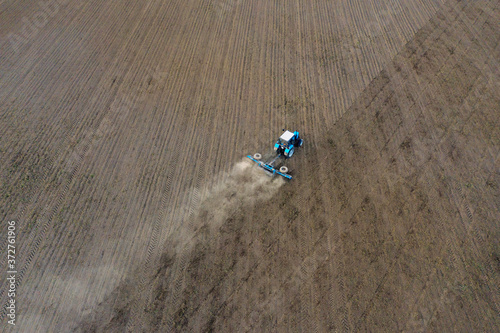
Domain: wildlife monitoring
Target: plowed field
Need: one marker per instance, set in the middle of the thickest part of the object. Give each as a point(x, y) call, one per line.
point(124, 126)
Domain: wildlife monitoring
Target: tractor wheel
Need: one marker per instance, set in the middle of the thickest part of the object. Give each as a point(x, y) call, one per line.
point(257, 156)
point(283, 169)
point(290, 152)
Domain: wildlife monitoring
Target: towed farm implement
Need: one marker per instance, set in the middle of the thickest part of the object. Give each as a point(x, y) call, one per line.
point(285, 146)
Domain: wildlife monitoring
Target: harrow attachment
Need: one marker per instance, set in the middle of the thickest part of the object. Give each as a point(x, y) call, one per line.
point(285, 146)
point(269, 167)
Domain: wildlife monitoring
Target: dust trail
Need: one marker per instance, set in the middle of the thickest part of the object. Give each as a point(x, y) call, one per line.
point(192, 253)
point(65, 297)
point(190, 249)
point(245, 185)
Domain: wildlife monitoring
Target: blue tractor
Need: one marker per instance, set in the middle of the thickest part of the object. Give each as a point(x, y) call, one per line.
point(285, 146)
point(287, 142)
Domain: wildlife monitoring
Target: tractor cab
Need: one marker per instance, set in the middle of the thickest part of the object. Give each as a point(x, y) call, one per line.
point(286, 143)
point(284, 139)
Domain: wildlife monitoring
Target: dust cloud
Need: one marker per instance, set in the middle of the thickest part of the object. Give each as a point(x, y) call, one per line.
point(68, 296)
point(245, 185)
point(187, 249)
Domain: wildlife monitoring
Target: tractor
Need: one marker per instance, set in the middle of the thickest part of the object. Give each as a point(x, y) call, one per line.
point(287, 142)
point(285, 146)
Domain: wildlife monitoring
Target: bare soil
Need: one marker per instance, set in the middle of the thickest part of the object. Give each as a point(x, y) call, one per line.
point(124, 130)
